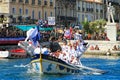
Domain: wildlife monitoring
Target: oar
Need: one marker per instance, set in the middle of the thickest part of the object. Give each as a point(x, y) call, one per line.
point(93, 69)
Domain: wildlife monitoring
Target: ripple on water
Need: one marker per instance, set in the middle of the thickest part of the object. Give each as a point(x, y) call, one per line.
point(17, 70)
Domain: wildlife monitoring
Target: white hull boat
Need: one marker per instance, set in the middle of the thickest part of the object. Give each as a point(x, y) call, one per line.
point(46, 64)
point(51, 65)
point(4, 54)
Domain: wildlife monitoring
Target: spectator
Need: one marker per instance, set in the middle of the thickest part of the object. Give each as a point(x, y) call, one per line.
point(96, 47)
point(115, 48)
point(91, 48)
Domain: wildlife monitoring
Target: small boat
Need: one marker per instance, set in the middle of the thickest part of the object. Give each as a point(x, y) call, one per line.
point(47, 64)
point(11, 41)
point(17, 53)
point(4, 54)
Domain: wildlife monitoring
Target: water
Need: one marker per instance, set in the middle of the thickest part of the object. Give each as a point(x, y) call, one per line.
point(17, 69)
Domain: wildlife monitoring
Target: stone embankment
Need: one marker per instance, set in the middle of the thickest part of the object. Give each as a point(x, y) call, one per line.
point(103, 48)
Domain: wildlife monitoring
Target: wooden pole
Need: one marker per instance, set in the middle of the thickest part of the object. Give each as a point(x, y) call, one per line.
point(41, 69)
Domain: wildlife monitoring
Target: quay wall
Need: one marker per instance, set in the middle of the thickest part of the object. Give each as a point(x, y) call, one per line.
point(104, 46)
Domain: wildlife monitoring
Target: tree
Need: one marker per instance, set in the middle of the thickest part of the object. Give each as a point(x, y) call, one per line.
point(94, 26)
point(101, 23)
point(85, 25)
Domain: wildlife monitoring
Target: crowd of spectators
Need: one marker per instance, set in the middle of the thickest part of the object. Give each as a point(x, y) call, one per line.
point(11, 32)
point(96, 36)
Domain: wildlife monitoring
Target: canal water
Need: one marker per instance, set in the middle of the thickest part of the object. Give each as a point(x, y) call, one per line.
point(17, 69)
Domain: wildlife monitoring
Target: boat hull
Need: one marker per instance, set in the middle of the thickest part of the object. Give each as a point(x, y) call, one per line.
point(42, 63)
point(4, 54)
point(10, 41)
point(17, 53)
point(52, 65)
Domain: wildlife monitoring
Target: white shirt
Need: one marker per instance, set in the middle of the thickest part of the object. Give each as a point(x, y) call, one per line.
point(45, 51)
point(37, 50)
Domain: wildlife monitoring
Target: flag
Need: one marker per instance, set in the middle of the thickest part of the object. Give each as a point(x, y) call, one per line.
point(33, 35)
point(36, 37)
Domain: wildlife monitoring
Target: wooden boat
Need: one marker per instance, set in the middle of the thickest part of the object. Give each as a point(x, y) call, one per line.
point(46, 64)
point(50, 65)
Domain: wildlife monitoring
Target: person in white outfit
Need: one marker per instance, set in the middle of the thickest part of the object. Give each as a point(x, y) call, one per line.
point(37, 50)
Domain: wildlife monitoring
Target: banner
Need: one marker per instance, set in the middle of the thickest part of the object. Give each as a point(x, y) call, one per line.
point(51, 20)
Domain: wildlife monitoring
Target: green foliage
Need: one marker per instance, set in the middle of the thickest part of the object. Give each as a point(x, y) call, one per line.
point(95, 26)
point(85, 25)
point(118, 32)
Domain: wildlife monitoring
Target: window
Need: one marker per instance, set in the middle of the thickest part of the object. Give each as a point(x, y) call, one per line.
point(51, 2)
point(50, 13)
point(20, 0)
point(87, 6)
point(33, 2)
point(26, 11)
point(13, 10)
point(13, 0)
point(26, 1)
point(33, 14)
point(78, 17)
point(45, 2)
point(39, 2)
point(20, 11)
point(78, 6)
point(39, 14)
point(83, 17)
point(83, 6)
point(97, 10)
point(45, 15)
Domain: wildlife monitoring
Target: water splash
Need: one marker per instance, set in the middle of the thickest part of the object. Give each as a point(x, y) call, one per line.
point(22, 65)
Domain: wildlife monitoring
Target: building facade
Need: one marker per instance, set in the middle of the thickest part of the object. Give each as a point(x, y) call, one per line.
point(27, 10)
point(65, 12)
point(89, 10)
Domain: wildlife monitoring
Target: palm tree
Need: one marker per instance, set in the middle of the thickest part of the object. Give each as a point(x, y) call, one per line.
point(86, 27)
point(98, 25)
point(94, 27)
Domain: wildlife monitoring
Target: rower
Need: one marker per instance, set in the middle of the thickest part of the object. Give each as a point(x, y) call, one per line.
point(45, 50)
point(37, 50)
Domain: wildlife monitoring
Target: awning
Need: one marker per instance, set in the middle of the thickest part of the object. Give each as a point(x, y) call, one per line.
point(27, 27)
